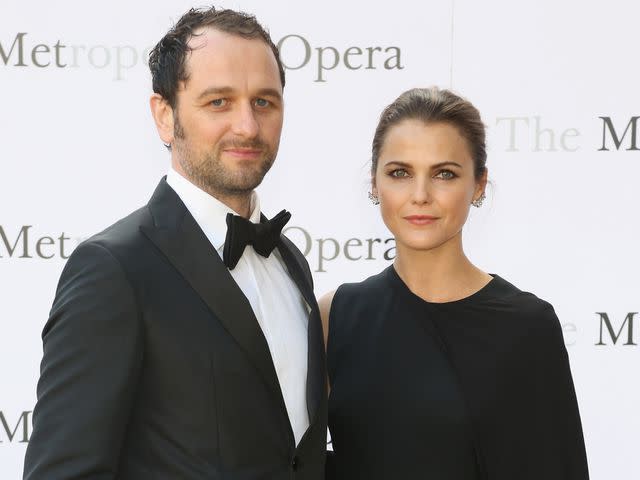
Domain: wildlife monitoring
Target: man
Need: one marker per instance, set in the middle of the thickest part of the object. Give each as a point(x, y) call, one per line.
point(174, 350)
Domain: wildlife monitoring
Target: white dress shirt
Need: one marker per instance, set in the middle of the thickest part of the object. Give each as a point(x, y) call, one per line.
point(276, 301)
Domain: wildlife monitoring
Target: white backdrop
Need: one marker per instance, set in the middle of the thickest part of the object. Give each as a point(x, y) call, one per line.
point(79, 151)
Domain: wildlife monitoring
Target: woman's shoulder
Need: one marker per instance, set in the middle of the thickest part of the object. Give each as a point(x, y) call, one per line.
point(530, 309)
point(367, 290)
point(351, 300)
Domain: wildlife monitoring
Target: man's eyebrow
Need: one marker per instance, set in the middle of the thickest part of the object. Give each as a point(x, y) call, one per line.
point(215, 91)
point(269, 92)
point(263, 92)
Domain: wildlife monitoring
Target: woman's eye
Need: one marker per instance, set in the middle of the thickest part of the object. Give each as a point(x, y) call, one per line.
point(261, 102)
point(219, 102)
point(399, 173)
point(446, 175)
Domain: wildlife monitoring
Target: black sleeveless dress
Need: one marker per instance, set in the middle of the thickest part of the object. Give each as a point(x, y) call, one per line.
point(396, 410)
point(472, 389)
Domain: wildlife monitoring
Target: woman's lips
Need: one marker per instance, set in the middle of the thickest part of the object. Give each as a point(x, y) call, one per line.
point(421, 219)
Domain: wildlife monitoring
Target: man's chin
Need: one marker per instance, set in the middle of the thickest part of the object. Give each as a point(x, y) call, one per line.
point(243, 186)
point(248, 178)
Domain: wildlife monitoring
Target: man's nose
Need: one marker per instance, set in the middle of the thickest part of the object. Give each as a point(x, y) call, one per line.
point(244, 122)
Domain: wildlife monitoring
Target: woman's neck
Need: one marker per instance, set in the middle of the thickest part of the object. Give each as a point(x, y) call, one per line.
point(441, 274)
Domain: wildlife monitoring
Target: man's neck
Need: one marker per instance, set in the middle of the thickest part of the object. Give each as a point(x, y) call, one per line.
point(239, 203)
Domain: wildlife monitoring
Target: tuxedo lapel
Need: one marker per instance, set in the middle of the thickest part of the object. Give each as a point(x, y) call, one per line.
point(177, 235)
point(296, 271)
point(316, 377)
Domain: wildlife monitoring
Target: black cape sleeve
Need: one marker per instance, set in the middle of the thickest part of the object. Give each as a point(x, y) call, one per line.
point(513, 368)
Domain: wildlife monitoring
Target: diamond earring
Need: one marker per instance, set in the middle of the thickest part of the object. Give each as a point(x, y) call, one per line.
point(374, 199)
point(479, 201)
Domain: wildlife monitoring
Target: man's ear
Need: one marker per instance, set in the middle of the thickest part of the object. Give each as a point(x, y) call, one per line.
point(163, 117)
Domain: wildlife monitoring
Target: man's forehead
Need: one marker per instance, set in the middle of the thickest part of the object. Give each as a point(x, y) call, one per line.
point(211, 36)
point(208, 41)
point(204, 43)
point(201, 36)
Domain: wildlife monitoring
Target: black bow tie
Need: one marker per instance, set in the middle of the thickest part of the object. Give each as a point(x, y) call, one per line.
point(262, 236)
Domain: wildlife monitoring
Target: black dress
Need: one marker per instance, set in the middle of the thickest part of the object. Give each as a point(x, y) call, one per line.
point(473, 389)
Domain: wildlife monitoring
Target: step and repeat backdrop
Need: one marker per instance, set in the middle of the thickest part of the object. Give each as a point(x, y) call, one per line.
point(556, 83)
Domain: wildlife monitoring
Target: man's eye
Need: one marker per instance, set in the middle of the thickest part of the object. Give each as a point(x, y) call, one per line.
point(399, 173)
point(219, 102)
point(261, 102)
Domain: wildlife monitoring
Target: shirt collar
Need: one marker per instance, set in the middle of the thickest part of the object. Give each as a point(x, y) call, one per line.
point(209, 212)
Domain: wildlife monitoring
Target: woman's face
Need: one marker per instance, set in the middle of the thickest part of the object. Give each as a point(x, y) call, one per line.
point(425, 183)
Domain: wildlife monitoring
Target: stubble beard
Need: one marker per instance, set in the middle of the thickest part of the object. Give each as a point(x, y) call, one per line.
point(207, 171)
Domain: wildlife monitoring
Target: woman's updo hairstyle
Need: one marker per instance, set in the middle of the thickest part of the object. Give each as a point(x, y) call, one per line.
point(434, 105)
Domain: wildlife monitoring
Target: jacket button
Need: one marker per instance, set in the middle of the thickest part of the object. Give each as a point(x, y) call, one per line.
point(294, 463)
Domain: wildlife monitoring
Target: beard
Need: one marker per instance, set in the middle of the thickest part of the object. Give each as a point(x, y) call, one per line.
point(206, 169)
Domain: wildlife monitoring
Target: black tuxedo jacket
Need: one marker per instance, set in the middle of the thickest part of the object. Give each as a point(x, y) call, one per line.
point(155, 366)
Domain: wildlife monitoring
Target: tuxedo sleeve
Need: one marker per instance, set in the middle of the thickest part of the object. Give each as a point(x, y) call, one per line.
point(92, 355)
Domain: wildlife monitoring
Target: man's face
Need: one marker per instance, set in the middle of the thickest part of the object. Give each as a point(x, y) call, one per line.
point(228, 117)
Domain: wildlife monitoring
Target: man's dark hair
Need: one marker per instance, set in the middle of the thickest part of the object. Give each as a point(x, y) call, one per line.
point(167, 60)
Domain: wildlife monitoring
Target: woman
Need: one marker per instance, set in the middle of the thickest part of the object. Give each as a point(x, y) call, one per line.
point(437, 369)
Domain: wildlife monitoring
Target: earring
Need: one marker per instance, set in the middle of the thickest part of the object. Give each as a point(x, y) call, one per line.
point(479, 201)
point(374, 199)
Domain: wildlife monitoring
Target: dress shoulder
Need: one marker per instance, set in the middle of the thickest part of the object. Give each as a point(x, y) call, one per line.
point(533, 313)
point(369, 286)
point(351, 298)
point(355, 309)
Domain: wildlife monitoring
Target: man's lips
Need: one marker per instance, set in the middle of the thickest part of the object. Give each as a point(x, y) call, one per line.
point(243, 152)
point(420, 219)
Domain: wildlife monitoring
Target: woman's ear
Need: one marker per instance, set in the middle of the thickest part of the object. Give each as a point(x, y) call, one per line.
point(481, 184)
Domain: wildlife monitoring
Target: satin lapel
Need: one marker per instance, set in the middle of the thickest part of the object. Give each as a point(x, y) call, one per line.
point(178, 236)
point(316, 377)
